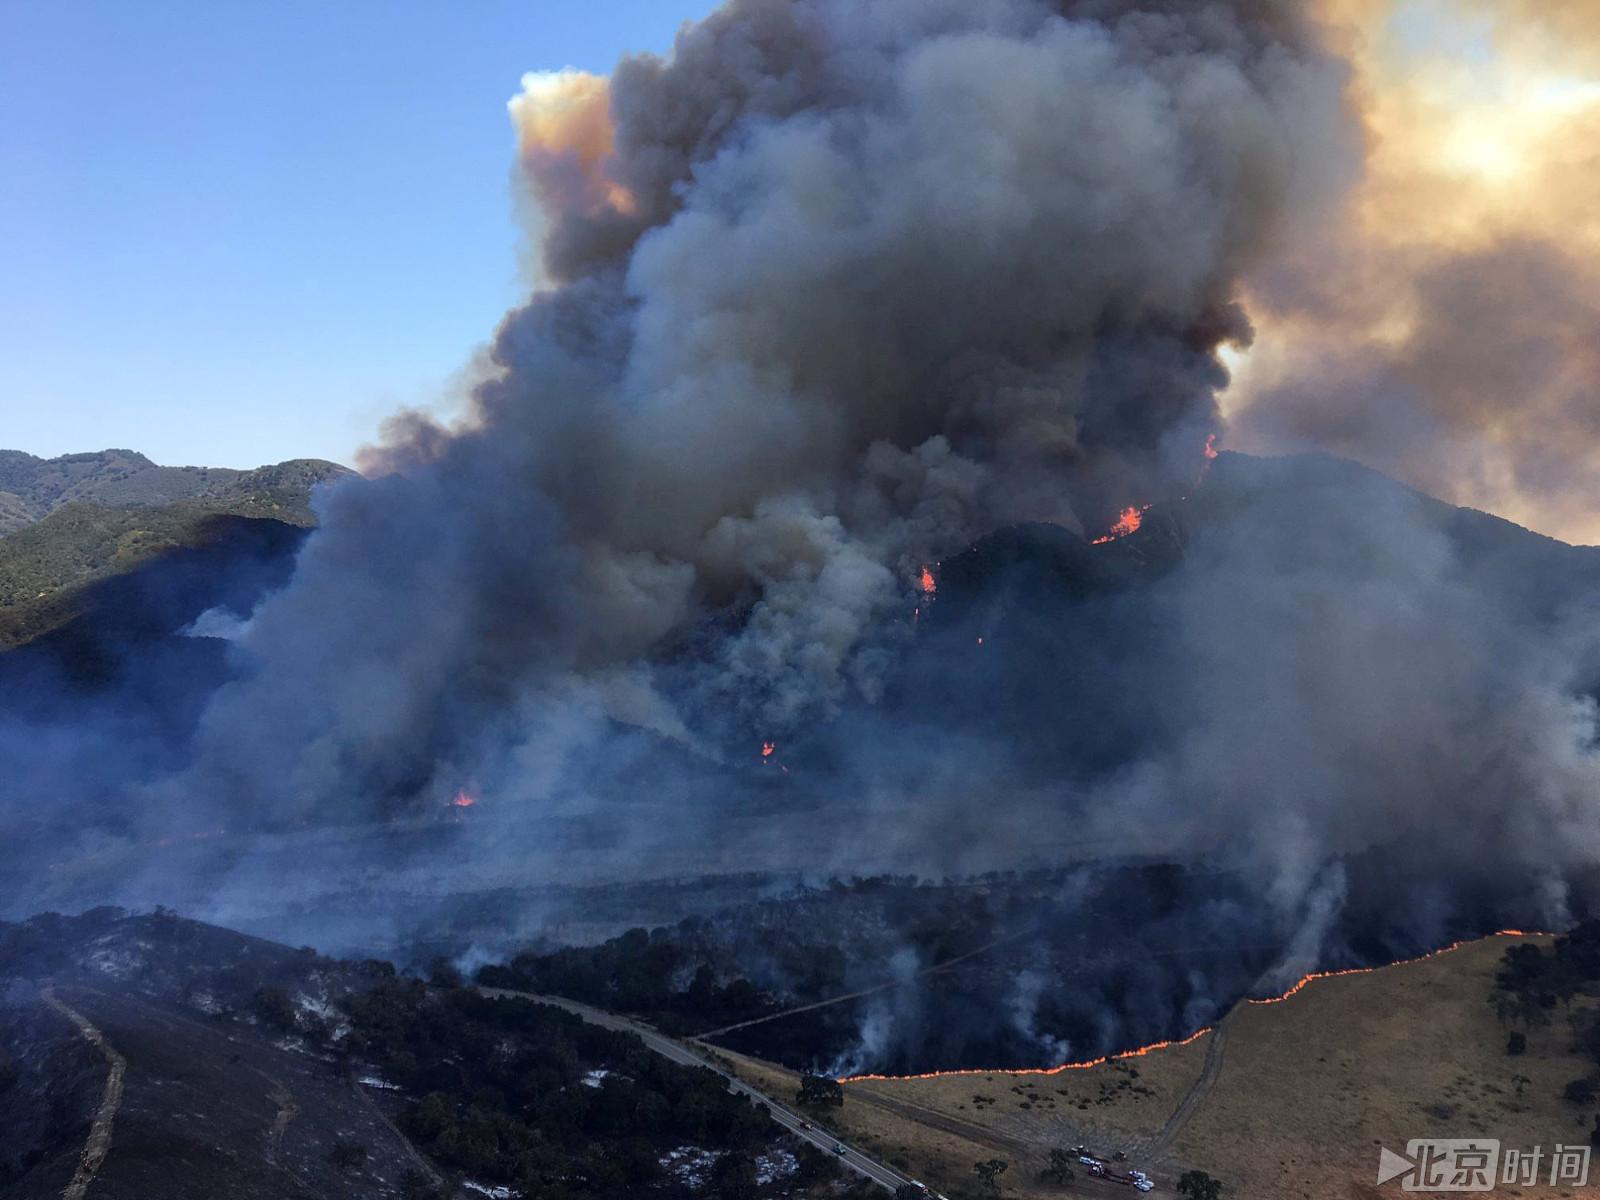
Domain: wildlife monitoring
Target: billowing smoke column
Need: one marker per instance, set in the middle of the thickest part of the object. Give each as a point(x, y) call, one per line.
point(1440, 327)
point(833, 291)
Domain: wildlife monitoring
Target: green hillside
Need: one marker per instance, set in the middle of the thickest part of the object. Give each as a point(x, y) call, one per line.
point(32, 488)
point(83, 517)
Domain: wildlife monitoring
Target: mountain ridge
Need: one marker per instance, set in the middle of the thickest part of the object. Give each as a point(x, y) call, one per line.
point(32, 488)
point(69, 522)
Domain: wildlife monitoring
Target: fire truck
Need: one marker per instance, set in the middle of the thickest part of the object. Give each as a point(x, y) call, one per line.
point(1099, 1169)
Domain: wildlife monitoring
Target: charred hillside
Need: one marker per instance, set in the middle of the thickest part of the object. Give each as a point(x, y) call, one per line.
point(246, 1068)
point(1318, 694)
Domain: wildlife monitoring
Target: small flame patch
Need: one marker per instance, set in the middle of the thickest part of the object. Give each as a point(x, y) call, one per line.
point(1128, 522)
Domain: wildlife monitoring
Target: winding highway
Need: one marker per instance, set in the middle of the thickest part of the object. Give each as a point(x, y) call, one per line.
point(679, 1053)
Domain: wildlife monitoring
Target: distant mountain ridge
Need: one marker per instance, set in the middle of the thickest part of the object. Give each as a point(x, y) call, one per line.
point(31, 488)
point(68, 522)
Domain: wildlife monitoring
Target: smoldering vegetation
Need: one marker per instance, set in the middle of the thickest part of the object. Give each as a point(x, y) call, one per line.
point(270, 1072)
point(1126, 713)
point(898, 974)
point(113, 697)
point(772, 544)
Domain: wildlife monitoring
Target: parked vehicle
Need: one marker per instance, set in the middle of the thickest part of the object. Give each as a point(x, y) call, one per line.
point(1134, 1179)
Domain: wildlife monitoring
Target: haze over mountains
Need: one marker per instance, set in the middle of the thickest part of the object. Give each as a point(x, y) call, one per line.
point(1302, 677)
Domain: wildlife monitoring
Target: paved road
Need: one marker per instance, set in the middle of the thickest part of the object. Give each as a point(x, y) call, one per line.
point(679, 1053)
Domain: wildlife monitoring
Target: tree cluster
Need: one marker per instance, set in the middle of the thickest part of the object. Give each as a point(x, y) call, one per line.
point(1532, 983)
point(1197, 1185)
point(637, 972)
point(529, 1096)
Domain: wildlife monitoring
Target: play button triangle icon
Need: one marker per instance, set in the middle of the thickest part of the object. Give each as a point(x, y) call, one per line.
point(1391, 1165)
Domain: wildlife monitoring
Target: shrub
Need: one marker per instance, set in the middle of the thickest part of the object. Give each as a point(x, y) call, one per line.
point(1197, 1185)
point(819, 1089)
point(990, 1170)
point(1060, 1170)
point(1581, 1091)
point(274, 1007)
point(442, 973)
point(347, 1155)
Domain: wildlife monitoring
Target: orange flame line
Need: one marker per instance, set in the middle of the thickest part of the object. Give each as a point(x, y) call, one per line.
point(1401, 963)
point(1197, 1034)
point(1128, 522)
point(1073, 1066)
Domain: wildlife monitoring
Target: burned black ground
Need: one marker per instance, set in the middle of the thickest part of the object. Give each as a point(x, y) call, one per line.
point(259, 1071)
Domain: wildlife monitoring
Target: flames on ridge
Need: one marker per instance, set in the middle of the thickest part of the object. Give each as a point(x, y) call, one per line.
point(1128, 522)
point(1199, 1033)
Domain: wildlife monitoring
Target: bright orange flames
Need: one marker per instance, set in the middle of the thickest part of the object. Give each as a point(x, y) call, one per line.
point(1403, 962)
point(1077, 1066)
point(1211, 455)
point(928, 584)
point(463, 800)
point(1197, 1034)
point(1127, 523)
point(767, 749)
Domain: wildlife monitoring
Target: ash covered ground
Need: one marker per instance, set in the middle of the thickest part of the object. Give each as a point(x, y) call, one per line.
point(248, 1068)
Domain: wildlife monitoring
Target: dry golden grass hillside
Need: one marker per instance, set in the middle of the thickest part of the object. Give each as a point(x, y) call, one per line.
point(1290, 1101)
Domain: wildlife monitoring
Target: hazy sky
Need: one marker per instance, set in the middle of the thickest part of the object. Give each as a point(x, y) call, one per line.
point(233, 233)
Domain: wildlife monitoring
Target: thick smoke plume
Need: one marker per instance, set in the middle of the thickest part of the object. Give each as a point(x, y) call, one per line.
point(834, 292)
point(1441, 326)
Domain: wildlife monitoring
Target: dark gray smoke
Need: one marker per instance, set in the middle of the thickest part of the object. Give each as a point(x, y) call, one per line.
point(836, 292)
point(857, 284)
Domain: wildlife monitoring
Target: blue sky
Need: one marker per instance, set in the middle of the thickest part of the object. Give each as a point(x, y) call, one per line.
point(233, 233)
